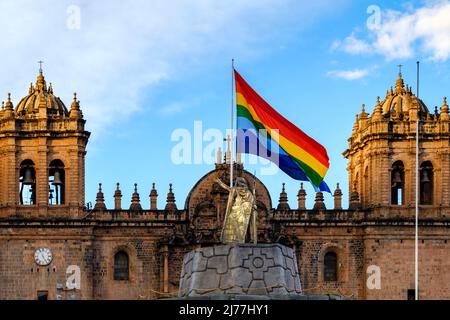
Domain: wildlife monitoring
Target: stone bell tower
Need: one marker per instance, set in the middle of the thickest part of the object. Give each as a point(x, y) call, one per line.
point(42, 155)
point(382, 152)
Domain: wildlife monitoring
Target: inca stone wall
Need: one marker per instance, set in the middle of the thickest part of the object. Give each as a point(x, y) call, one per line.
point(263, 269)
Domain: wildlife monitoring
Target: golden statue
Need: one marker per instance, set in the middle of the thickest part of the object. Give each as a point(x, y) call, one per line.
point(241, 212)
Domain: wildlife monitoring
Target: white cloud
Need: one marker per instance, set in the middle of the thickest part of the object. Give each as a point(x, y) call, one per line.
point(402, 35)
point(123, 49)
point(354, 74)
point(351, 45)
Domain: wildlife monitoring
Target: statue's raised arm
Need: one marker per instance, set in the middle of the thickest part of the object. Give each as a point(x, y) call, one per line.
point(223, 185)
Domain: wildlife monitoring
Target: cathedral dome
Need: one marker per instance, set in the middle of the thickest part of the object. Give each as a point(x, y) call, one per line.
point(397, 103)
point(41, 95)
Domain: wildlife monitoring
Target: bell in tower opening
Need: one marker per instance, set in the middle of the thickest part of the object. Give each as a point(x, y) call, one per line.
point(426, 183)
point(56, 185)
point(27, 183)
point(397, 183)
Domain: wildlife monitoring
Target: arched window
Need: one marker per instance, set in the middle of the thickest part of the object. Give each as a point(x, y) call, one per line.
point(426, 183)
point(27, 183)
point(121, 266)
point(330, 266)
point(397, 183)
point(56, 183)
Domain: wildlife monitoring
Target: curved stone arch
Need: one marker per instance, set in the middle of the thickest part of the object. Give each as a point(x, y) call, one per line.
point(405, 162)
point(132, 261)
point(22, 159)
point(339, 250)
point(430, 160)
point(208, 180)
point(186, 203)
point(401, 158)
point(63, 159)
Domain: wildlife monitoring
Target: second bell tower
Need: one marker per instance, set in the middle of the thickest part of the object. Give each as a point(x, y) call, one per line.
point(382, 152)
point(42, 155)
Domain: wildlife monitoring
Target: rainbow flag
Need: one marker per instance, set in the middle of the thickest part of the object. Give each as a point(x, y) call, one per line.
point(262, 131)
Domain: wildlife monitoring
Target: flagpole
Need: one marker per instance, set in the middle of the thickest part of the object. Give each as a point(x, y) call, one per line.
point(232, 124)
point(416, 245)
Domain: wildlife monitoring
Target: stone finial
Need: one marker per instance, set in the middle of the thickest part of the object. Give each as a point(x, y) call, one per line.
point(444, 110)
point(337, 198)
point(378, 111)
point(436, 114)
point(9, 105)
point(399, 86)
point(228, 152)
point(301, 197)
point(153, 198)
point(31, 88)
point(100, 199)
point(118, 198)
point(318, 203)
point(75, 111)
point(41, 85)
point(363, 114)
point(50, 88)
point(283, 201)
point(9, 108)
point(135, 200)
point(170, 203)
point(355, 204)
point(219, 156)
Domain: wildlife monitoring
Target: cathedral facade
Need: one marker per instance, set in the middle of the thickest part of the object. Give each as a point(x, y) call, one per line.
point(54, 247)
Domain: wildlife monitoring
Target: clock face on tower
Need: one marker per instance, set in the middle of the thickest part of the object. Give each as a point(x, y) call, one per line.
point(43, 256)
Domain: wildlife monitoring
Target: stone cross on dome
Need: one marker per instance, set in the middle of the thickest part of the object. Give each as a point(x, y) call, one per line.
point(400, 69)
point(40, 65)
point(399, 86)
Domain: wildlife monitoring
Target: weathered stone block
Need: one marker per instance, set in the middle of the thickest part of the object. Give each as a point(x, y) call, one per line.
point(199, 263)
point(219, 263)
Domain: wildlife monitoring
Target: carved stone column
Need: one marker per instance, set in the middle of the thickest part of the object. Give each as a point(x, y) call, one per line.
point(165, 268)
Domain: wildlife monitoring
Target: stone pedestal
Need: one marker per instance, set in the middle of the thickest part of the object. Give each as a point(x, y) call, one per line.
point(240, 269)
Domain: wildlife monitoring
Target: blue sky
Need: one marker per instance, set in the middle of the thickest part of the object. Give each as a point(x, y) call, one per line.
point(146, 68)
